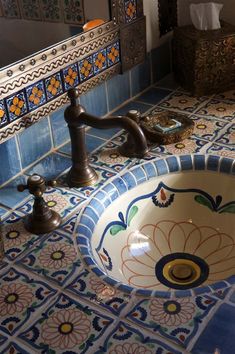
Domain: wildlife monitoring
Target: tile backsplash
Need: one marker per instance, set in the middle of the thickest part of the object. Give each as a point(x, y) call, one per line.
point(19, 152)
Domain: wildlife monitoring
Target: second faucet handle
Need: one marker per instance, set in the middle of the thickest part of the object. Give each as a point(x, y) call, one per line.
point(36, 185)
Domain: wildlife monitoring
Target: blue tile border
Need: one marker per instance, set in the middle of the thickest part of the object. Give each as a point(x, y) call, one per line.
point(35, 95)
point(127, 181)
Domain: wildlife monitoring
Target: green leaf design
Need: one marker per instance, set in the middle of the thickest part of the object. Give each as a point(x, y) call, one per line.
point(202, 200)
point(132, 213)
point(228, 209)
point(115, 229)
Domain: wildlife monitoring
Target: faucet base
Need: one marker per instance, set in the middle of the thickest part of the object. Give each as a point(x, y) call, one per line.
point(129, 150)
point(81, 177)
point(39, 226)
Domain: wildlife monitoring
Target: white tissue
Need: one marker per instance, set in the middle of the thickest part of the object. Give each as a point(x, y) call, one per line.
point(206, 16)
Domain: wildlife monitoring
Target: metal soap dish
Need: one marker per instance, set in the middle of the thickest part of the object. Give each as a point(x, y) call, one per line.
point(166, 127)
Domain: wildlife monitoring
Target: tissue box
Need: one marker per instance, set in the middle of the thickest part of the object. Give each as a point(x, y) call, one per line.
point(204, 61)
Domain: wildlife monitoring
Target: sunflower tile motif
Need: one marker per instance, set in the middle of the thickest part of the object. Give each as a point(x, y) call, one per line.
point(20, 297)
point(217, 149)
point(89, 286)
point(176, 319)
point(228, 137)
point(16, 239)
point(51, 10)
point(36, 95)
point(67, 326)
point(70, 76)
point(113, 54)
point(3, 114)
point(110, 157)
point(85, 68)
point(30, 9)
point(100, 61)
point(54, 257)
point(218, 109)
point(53, 86)
point(208, 129)
point(130, 10)
point(125, 339)
point(16, 105)
point(74, 12)
point(187, 146)
point(182, 102)
point(62, 201)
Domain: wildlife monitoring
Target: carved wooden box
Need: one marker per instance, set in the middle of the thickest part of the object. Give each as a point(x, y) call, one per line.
point(204, 61)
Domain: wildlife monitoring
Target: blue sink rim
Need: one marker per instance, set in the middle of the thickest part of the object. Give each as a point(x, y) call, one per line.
point(128, 180)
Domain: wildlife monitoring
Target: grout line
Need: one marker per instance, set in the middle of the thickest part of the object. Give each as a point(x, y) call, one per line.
point(51, 133)
point(19, 152)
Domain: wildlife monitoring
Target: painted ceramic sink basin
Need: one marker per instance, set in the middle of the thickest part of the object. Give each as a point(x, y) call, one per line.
point(167, 225)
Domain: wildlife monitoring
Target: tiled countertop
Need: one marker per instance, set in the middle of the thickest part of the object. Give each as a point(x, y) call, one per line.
point(51, 305)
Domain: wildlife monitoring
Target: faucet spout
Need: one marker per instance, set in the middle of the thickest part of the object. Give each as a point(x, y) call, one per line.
point(139, 147)
point(81, 173)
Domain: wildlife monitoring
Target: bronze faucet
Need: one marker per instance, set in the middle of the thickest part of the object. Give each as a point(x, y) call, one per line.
point(81, 173)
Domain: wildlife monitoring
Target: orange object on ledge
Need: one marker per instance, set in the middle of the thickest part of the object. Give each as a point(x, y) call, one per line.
point(93, 23)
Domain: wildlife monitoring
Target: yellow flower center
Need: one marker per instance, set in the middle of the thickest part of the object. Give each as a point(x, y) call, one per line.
point(201, 126)
point(171, 307)
point(221, 109)
point(57, 255)
point(11, 298)
point(180, 146)
point(66, 328)
point(51, 203)
point(13, 234)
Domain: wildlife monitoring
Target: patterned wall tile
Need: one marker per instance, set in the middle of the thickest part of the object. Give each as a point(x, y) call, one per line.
point(86, 69)
point(20, 296)
point(67, 326)
point(36, 95)
point(11, 8)
point(70, 76)
point(30, 9)
point(51, 10)
point(16, 105)
point(228, 137)
point(100, 61)
point(130, 10)
point(74, 12)
point(3, 113)
point(113, 54)
point(53, 86)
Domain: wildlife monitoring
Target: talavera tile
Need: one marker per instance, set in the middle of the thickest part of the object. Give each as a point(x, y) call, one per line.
point(130, 10)
point(10, 159)
point(54, 257)
point(127, 339)
point(221, 150)
point(89, 286)
point(100, 61)
point(228, 95)
point(36, 95)
point(208, 129)
point(53, 86)
point(182, 102)
point(70, 76)
point(16, 105)
point(9, 195)
point(228, 137)
point(67, 326)
point(218, 109)
point(175, 319)
point(14, 348)
point(113, 55)
point(3, 114)
point(20, 297)
point(15, 238)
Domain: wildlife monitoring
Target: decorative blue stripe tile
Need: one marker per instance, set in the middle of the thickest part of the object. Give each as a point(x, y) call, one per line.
point(36, 95)
point(150, 170)
point(162, 294)
point(70, 76)
point(139, 175)
point(129, 180)
point(173, 164)
point(113, 53)
point(16, 105)
point(183, 293)
point(199, 162)
point(84, 251)
point(161, 167)
point(213, 163)
point(231, 280)
point(98, 272)
point(99, 208)
point(186, 162)
point(219, 285)
point(89, 261)
point(85, 68)
point(120, 185)
point(85, 220)
point(226, 165)
point(201, 290)
point(83, 240)
point(100, 61)
point(53, 86)
point(90, 212)
point(3, 114)
point(112, 191)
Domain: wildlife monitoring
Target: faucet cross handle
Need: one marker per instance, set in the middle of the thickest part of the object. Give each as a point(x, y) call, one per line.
point(42, 219)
